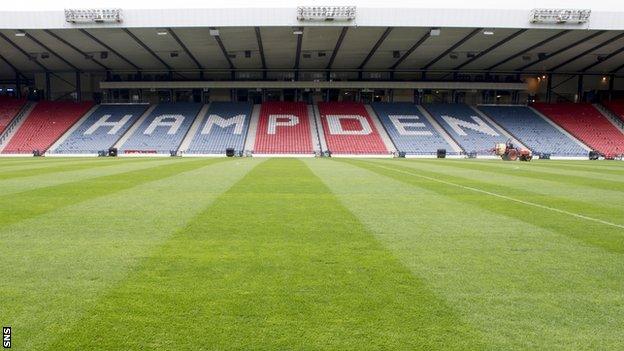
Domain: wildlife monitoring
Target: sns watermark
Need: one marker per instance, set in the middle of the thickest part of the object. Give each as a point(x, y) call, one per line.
point(6, 337)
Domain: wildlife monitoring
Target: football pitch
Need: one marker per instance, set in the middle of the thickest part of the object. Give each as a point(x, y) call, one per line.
point(311, 254)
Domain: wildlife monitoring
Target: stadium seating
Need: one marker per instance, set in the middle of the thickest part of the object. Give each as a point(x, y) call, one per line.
point(163, 130)
point(101, 130)
point(9, 108)
point(587, 124)
point(532, 130)
point(617, 107)
point(225, 126)
point(283, 128)
point(410, 131)
point(47, 122)
point(349, 129)
point(466, 127)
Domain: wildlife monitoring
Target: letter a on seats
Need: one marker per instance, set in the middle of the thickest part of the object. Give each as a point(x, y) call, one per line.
point(335, 127)
point(172, 121)
point(103, 122)
point(290, 120)
point(238, 121)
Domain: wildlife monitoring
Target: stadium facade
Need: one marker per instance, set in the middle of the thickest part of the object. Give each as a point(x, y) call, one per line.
point(324, 80)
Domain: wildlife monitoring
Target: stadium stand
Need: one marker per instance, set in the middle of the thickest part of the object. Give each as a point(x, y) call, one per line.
point(587, 124)
point(349, 129)
point(48, 121)
point(101, 129)
point(163, 129)
point(225, 126)
point(617, 107)
point(464, 125)
point(532, 130)
point(410, 131)
point(283, 128)
point(9, 108)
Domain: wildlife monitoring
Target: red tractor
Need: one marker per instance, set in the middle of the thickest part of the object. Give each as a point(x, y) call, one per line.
point(508, 152)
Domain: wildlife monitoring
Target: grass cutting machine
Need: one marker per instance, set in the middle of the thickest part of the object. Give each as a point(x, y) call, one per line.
point(508, 152)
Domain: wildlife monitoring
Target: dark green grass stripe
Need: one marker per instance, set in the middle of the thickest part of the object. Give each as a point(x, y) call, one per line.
point(20, 206)
point(64, 167)
point(531, 172)
point(276, 263)
point(593, 233)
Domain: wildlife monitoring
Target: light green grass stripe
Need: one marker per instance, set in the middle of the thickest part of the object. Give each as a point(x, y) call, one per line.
point(545, 212)
point(28, 204)
point(63, 261)
point(607, 204)
point(612, 183)
point(16, 185)
point(522, 286)
point(275, 264)
point(56, 167)
point(545, 171)
point(44, 163)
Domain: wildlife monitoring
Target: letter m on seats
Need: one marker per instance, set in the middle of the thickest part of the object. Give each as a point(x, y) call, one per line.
point(238, 121)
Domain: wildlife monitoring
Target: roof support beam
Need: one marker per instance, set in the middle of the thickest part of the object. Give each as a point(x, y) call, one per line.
point(147, 48)
point(51, 51)
point(298, 53)
point(411, 49)
point(565, 48)
point(23, 52)
point(491, 48)
point(17, 71)
point(223, 50)
point(611, 55)
point(604, 43)
point(453, 47)
point(343, 33)
point(185, 48)
point(380, 41)
point(104, 45)
point(532, 47)
point(90, 57)
point(260, 47)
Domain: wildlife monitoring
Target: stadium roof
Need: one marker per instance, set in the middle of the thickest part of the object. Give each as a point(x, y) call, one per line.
point(378, 39)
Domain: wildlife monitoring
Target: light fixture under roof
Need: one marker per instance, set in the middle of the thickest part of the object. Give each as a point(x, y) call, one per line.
point(298, 31)
point(214, 32)
point(434, 32)
point(20, 33)
point(162, 31)
point(488, 32)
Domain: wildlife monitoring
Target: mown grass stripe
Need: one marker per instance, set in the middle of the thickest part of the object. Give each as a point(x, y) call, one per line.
point(61, 262)
point(22, 184)
point(596, 202)
point(523, 286)
point(614, 184)
point(594, 232)
point(18, 207)
point(56, 167)
point(275, 263)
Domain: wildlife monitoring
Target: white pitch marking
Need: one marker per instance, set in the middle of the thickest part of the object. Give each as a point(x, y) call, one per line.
point(507, 198)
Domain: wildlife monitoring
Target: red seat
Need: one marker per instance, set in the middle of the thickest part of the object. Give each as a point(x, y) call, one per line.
point(9, 108)
point(586, 123)
point(284, 138)
point(350, 138)
point(617, 107)
point(47, 122)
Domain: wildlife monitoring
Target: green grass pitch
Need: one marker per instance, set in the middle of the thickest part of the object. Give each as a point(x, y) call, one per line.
point(311, 254)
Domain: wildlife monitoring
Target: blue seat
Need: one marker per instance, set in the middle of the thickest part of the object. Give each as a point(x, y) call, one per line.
point(466, 127)
point(163, 130)
point(533, 131)
point(410, 131)
point(225, 126)
point(102, 129)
